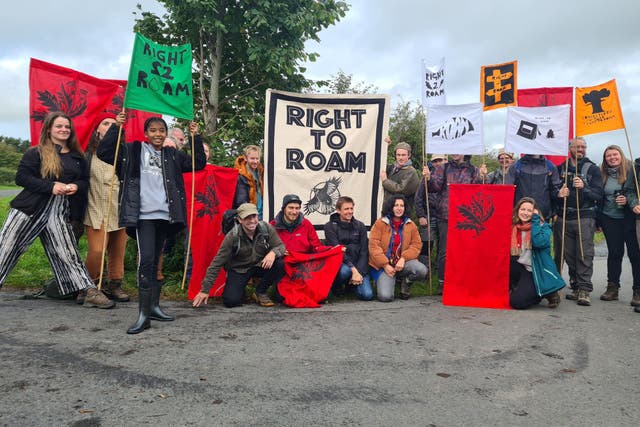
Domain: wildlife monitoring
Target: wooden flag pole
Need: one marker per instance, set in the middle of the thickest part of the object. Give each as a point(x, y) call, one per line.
point(193, 187)
point(564, 212)
point(426, 193)
point(109, 200)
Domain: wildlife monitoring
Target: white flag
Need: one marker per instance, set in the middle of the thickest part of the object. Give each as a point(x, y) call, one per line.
point(455, 129)
point(433, 84)
point(538, 130)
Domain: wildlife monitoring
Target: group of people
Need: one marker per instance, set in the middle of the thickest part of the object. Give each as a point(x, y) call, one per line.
point(67, 192)
point(566, 203)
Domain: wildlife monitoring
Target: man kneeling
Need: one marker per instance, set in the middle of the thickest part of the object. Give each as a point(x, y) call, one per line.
point(250, 249)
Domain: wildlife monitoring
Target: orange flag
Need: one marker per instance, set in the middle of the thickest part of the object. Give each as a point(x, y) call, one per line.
point(499, 85)
point(598, 109)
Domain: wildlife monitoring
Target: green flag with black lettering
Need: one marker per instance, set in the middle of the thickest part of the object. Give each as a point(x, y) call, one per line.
point(160, 79)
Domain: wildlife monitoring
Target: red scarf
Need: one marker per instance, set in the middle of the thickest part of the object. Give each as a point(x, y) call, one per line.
point(517, 245)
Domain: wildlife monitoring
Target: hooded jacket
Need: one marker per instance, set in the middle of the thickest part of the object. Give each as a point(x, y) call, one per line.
point(174, 164)
point(450, 173)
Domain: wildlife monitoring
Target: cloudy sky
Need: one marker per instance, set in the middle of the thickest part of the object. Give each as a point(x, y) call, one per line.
point(380, 42)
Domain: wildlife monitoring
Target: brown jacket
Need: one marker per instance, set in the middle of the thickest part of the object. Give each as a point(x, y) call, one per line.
point(380, 237)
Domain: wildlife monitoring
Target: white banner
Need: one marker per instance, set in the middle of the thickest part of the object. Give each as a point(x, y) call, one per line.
point(433, 92)
point(538, 130)
point(321, 147)
point(454, 129)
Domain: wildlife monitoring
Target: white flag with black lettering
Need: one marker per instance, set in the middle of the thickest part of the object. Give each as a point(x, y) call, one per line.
point(321, 147)
point(538, 130)
point(433, 84)
point(455, 129)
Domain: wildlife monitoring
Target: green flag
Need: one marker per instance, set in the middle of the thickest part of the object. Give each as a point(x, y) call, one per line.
point(160, 79)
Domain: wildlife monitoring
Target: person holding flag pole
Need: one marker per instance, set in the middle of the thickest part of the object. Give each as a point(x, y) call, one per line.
point(152, 195)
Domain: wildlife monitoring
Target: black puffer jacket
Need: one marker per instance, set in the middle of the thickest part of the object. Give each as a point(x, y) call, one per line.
point(174, 164)
point(352, 235)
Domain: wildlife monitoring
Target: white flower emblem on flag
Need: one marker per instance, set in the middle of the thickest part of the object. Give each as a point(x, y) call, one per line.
point(454, 129)
point(538, 130)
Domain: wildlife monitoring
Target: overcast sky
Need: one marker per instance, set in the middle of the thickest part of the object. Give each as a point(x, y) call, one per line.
point(380, 42)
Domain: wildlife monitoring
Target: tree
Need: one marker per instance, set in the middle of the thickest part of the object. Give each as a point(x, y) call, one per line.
point(241, 48)
point(343, 83)
point(406, 123)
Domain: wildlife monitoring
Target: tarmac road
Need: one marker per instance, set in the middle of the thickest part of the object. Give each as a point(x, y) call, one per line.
point(412, 362)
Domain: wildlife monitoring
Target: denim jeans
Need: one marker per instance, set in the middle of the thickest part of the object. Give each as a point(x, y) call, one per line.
point(413, 270)
point(363, 291)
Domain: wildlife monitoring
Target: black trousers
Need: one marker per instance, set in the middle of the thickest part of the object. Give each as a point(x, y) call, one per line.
point(618, 233)
point(150, 235)
point(522, 290)
point(237, 282)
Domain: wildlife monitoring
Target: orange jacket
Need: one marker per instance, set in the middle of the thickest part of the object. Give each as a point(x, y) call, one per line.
point(249, 181)
point(380, 236)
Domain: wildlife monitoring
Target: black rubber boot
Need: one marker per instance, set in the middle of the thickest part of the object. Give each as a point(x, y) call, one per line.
point(144, 307)
point(156, 312)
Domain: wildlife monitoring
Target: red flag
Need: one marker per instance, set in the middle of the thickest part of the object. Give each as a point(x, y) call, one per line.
point(547, 97)
point(309, 277)
point(134, 127)
point(212, 198)
point(81, 96)
point(478, 240)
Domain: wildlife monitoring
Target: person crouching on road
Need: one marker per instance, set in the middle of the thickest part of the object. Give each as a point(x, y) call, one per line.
point(532, 272)
point(344, 229)
point(394, 246)
point(251, 249)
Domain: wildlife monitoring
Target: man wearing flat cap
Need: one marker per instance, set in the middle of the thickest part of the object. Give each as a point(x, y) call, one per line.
point(401, 177)
point(252, 248)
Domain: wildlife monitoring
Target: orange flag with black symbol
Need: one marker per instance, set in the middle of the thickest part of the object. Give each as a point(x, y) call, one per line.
point(499, 85)
point(598, 109)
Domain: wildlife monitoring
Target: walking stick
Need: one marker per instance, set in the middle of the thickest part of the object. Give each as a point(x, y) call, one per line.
point(109, 200)
point(426, 195)
point(564, 213)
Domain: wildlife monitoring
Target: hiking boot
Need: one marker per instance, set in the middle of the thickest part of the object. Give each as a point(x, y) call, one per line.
point(554, 299)
point(583, 297)
point(81, 295)
point(113, 290)
point(440, 288)
point(611, 293)
point(573, 296)
point(635, 301)
point(636, 308)
point(263, 300)
point(95, 298)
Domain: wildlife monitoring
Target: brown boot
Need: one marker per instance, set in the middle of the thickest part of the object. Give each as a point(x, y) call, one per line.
point(635, 301)
point(554, 299)
point(81, 295)
point(95, 298)
point(113, 290)
point(611, 293)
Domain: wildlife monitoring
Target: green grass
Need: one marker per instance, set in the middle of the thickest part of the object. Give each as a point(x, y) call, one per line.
point(10, 187)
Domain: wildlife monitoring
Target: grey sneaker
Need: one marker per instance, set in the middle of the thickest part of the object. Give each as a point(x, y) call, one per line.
point(584, 298)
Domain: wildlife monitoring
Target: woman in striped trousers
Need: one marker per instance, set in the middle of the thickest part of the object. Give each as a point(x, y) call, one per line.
point(53, 174)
